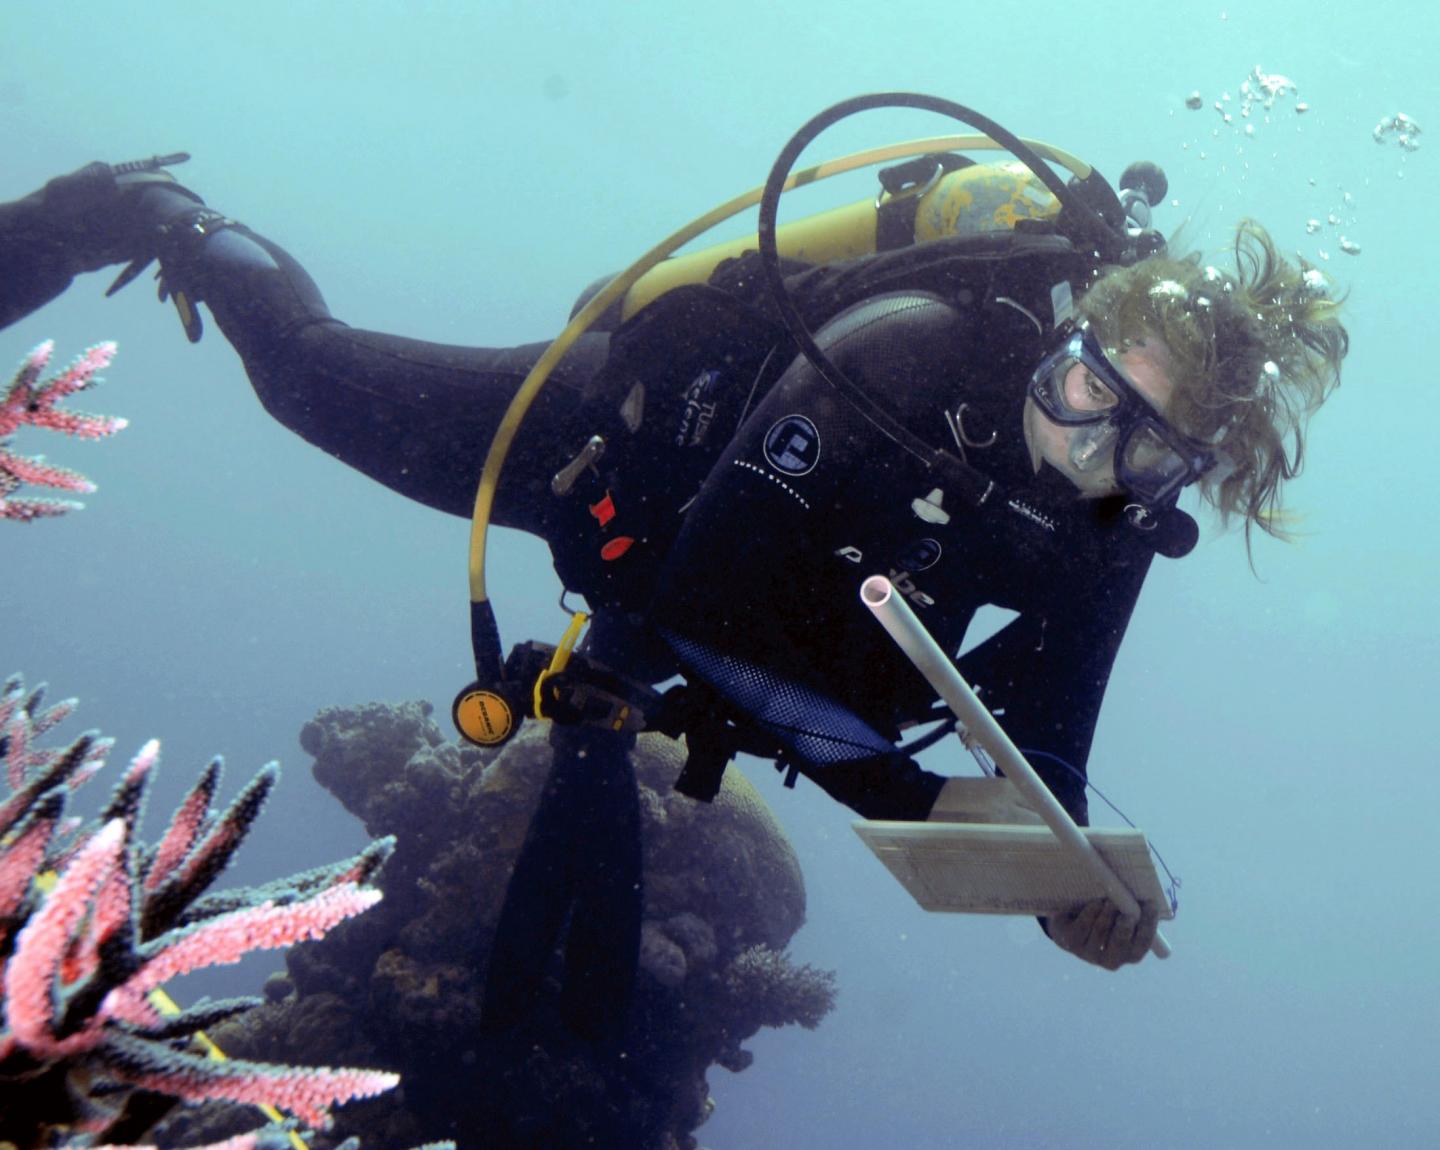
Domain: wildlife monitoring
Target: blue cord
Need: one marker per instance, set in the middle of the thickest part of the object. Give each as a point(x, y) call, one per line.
point(1173, 886)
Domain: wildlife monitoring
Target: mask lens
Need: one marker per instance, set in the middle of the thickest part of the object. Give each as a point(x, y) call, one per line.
point(1150, 466)
point(1083, 392)
point(1069, 392)
point(1072, 388)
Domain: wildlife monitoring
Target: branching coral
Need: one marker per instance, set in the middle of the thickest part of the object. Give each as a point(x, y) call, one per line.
point(261, 1140)
point(92, 922)
point(27, 401)
point(776, 991)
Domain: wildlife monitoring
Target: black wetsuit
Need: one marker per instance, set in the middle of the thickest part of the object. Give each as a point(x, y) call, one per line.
point(740, 501)
point(75, 223)
point(703, 545)
point(726, 528)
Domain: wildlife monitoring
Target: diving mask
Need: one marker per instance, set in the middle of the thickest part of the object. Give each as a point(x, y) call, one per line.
point(1077, 386)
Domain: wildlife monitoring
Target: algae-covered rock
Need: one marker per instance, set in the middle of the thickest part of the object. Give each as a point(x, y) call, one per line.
point(401, 987)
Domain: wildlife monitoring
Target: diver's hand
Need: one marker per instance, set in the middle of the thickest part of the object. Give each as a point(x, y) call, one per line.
point(100, 215)
point(1099, 933)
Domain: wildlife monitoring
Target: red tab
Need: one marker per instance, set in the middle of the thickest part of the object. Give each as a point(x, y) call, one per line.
point(604, 510)
point(616, 548)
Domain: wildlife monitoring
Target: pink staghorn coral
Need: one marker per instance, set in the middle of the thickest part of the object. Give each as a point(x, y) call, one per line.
point(33, 970)
point(78, 1032)
point(239, 1142)
point(265, 927)
point(305, 1092)
point(30, 403)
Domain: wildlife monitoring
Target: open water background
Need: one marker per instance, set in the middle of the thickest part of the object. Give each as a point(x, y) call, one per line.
point(457, 172)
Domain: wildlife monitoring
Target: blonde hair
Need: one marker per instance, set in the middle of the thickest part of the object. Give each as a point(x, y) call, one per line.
point(1254, 353)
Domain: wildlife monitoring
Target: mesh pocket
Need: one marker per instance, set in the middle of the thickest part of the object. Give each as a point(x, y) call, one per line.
point(814, 726)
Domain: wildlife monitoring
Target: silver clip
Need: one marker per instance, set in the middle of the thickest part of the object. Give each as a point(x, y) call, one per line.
point(567, 476)
point(956, 423)
point(915, 191)
point(1141, 517)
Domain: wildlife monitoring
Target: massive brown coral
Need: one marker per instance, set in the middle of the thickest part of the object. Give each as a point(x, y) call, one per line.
point(401, 987)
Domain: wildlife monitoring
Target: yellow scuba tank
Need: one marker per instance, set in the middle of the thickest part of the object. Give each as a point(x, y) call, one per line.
point(972, 200)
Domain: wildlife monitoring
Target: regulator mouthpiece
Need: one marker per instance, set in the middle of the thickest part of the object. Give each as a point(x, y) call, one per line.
point(1090, 446)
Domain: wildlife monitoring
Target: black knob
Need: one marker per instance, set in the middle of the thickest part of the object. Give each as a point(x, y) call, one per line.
point(1146, 178)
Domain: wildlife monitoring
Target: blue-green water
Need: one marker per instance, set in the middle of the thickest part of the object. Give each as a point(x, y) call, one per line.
point(458, 172)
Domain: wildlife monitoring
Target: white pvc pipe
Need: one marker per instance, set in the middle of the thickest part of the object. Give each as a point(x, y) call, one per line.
point(909, 633)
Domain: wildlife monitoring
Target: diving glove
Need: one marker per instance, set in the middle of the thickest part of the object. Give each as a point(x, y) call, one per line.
point(76, 223)
point(92, 217)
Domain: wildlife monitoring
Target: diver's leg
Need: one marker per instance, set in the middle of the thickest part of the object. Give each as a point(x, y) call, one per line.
point(602, 947)
point(581, 857)
point(416, 416)
point(538, 897)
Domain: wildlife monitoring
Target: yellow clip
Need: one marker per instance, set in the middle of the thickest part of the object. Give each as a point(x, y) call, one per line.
point(559, 660)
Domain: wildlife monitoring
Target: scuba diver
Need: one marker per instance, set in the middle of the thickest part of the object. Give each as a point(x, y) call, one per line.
point(990, 414)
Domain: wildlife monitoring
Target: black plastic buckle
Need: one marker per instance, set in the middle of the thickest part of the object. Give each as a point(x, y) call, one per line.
point(585, 692)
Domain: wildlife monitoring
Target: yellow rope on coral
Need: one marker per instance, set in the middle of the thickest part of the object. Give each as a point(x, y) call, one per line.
point(168, 1006)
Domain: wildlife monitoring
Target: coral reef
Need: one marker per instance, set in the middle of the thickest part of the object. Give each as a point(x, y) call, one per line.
point(401, 987)
point(260, 1140)
point(29, 402)
point(92, 923)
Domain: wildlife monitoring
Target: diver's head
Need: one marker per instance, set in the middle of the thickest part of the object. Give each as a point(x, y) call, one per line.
point(1100, 419)
point(1232, 363)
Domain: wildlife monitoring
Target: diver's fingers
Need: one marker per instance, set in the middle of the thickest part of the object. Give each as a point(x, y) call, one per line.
point(1074, 929)
point(1130, 940)
point(1120, 946)
point(1083, 919)
point(1102, 926)
point(1146, 930)
point(1100, 933)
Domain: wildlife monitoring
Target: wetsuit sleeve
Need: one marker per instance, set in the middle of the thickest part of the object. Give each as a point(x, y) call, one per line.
point(415, 416)
point(1044, 676)
point(35, 269)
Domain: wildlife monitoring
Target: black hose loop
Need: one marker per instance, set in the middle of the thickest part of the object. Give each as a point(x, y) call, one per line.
point(1105, 239)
